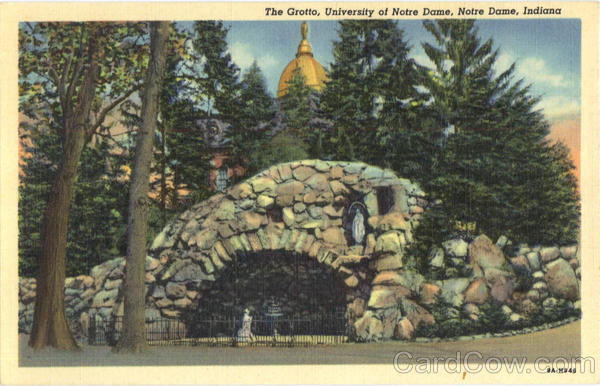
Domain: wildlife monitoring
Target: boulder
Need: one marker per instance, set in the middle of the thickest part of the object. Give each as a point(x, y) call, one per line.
point(190, 272)
point(356, 308)
point(351, 281)
point(370, 201)
point(485, 254)
point(175, 291)
point(569, 252)
point(388, 262)
point(105, 298)
point(561, 280)
point(534, 260)
point(251, 220)
point(387, 278)
point(456, 247)
point(502, 289)
point(416, 313)
point(206, 238)
point(549, 254)
point(390, 221)
point(428, 293)
point(288, 216)
point(290, 188)
point(477, 292)
point(159, 292)
point(404, 330)
point(151, 263)
point(241, 191)
point(225, 211)
point(436, 257)
point(336, 172)
point(338, 188)
point(334, 235)
point(285, 172)
point(452, 290)
point(388, 242)
point(368, 327)
point(520, 261)
point(318, 182)
point(302, 173)
point(386, 296)
point(263, 185)
point(264, 201)
point(502, 242)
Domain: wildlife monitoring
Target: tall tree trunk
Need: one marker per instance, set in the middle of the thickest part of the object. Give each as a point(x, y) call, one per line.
point(49, 321)
point(133, 335)
point(163, 177)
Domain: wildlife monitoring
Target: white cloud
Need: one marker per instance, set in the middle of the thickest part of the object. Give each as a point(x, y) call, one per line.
point(532, 70)
point(536, 70)
point(242, 55)
point(559, 106)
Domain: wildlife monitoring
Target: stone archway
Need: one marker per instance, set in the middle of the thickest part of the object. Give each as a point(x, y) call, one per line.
point(300, 207)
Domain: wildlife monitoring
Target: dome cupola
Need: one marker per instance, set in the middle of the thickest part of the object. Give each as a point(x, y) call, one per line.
point(313, 72)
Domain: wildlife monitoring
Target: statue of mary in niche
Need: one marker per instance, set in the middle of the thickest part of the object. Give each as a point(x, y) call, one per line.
point(357, 215)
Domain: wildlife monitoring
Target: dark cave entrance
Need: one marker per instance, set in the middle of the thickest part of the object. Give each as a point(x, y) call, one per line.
point(304, 294)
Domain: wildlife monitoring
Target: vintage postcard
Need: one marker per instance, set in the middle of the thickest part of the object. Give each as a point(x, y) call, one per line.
point(343, 192)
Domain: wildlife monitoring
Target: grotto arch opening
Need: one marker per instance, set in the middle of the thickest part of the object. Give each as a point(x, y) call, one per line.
point(285, 292)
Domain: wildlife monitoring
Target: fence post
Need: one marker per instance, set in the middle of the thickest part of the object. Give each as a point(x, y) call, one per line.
point(92, 330)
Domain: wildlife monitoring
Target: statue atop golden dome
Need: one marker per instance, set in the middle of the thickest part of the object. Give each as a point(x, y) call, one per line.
point(313, 72)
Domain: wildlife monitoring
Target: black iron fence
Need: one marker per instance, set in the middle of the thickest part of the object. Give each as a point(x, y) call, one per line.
point(226, 331)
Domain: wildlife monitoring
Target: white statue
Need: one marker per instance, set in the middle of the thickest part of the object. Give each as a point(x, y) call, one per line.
point(358, 227)
point(244, 334)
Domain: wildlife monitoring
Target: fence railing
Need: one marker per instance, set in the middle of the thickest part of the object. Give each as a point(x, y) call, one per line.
point(323, 329)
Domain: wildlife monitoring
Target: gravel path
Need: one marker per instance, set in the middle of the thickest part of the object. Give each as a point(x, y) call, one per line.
point(564, 341)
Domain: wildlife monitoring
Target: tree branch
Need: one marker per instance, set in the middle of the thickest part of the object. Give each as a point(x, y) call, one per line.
point(109, 107)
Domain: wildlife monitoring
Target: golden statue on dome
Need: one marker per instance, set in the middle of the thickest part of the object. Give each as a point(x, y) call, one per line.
point(314, 73)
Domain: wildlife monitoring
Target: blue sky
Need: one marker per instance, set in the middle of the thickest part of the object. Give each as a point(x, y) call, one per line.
point(547, 52)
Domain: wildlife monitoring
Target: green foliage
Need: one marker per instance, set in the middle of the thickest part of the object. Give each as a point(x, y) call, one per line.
point(53, 71)
point(491, 319)
point(98, 218)
point(285, 146)
point(498, 171)
point(371, 86)
point(449, 322)
point(255, 112)
point(181, 156)
point(296, 104)
point(219, 76)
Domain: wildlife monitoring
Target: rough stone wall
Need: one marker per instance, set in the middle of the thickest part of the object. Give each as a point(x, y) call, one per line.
point(302, 207)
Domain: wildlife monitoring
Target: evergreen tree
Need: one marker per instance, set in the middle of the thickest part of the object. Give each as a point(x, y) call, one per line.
point(257, 105)
point(181, 159)
point(219, 76)
point(296, 104)
point(371, 86)
point(498, 171)
point(254, 117)
point(98, 211)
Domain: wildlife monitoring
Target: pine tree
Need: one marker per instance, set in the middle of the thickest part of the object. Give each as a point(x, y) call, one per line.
point(252, 121)
point(219, 77)
point(499, 171)
point(296, 104)
point(181, 159)
point(371, 86)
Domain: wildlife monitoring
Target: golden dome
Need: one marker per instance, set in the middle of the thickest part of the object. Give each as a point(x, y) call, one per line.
point(313, 72)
